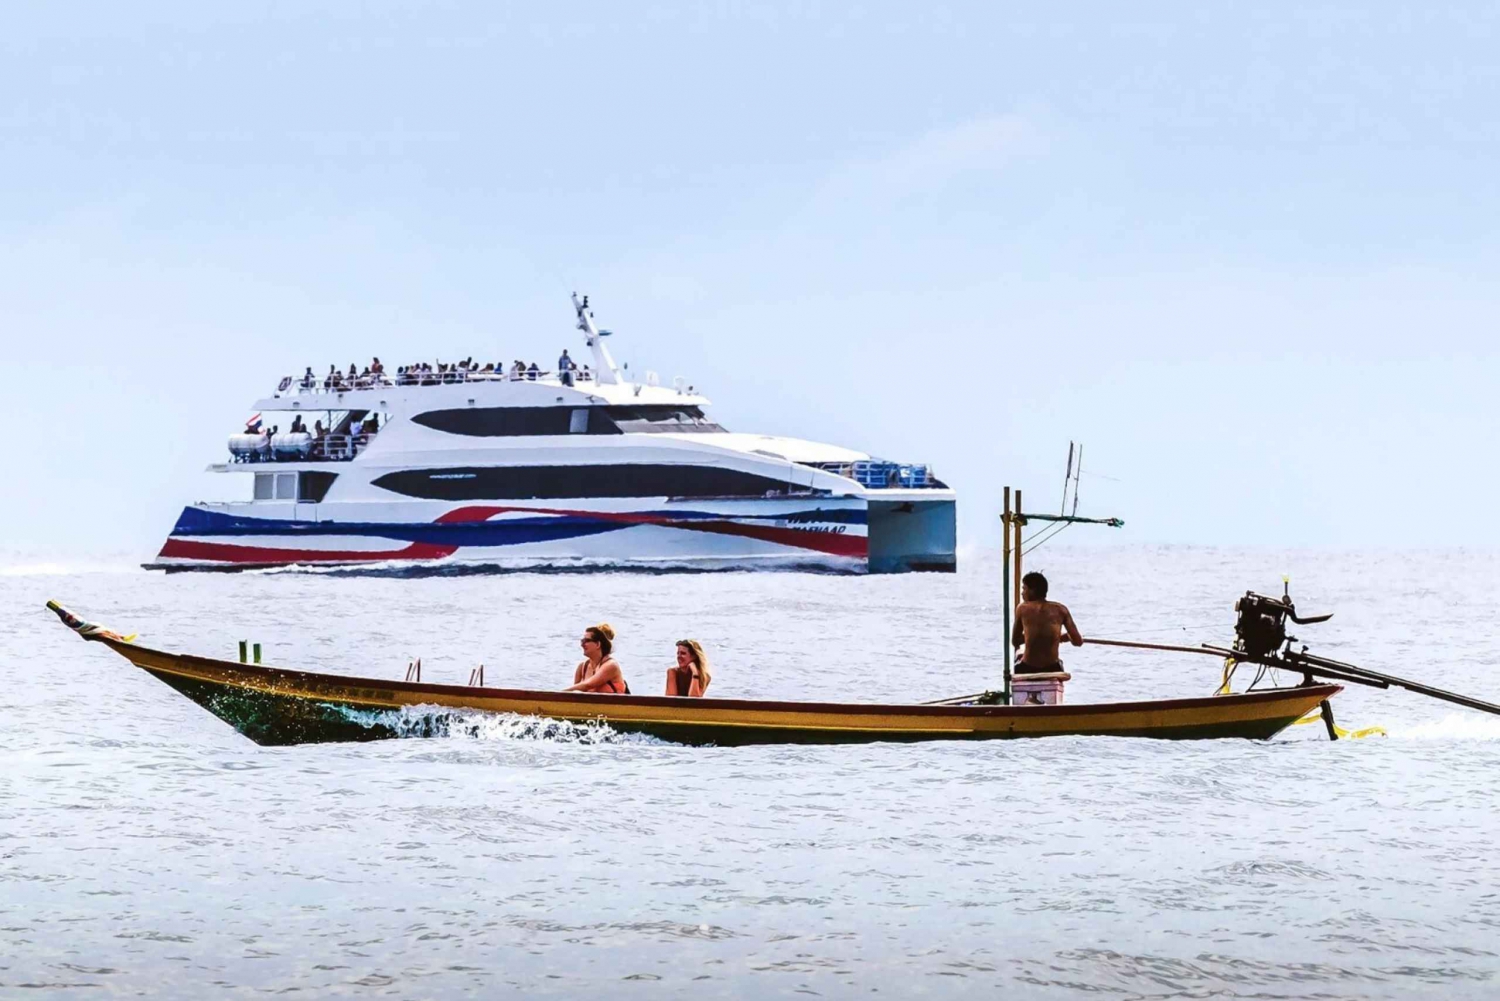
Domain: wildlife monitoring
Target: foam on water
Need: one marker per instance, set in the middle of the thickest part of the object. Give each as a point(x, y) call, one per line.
point(71, 568)
point(587, 567)
point(1454, 726)
point(471, 724)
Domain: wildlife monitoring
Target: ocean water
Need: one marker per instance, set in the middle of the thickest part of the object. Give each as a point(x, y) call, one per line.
point(146, 849)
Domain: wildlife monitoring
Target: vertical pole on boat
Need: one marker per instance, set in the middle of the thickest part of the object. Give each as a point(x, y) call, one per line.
point(1327, 710)
point(1005, 599)
point(1016, 546)
point(243, 658)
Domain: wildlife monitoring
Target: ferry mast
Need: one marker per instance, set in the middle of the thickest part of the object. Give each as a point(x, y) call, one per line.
point(604, 364)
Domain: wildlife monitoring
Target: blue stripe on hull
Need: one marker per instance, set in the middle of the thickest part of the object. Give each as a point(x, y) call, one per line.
point(504, 532)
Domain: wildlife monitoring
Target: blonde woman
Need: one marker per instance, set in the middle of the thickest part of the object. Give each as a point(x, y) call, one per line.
point(690, 677)
point(599, 671)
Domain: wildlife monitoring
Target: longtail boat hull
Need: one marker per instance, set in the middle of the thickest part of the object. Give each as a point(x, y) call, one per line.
point(276, 706)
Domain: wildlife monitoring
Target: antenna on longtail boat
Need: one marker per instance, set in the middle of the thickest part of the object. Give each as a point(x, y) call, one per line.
point(1013, 519)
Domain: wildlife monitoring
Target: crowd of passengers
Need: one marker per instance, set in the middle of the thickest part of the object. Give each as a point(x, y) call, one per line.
point(427, 374)
point(325, 444)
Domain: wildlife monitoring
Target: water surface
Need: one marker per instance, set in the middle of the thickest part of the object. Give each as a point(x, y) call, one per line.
point(146, 848)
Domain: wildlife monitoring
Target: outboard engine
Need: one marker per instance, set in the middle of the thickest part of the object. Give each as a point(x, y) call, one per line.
point(1260, 625)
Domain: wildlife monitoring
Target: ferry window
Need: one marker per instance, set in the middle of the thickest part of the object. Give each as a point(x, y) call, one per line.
point(679, 420)
point(264, 483)
point(618, 480)
point(312, 486)
point(505, 422)
point(286, 486)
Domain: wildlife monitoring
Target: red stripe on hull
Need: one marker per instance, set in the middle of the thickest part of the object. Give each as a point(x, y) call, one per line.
point(831, 543)
point(218, 552)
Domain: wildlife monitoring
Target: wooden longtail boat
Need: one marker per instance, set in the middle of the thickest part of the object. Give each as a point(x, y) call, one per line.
point(273, 705)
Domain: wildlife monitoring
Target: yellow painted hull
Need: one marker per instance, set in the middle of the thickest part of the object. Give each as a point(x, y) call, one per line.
point(277, 706)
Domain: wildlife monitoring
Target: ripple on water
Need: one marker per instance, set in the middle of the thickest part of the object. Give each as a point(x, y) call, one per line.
point(165, 854)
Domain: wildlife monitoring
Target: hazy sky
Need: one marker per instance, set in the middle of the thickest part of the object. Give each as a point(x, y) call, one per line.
point(1246, 252)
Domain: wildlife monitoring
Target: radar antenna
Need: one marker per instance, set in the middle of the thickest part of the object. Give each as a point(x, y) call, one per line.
point(605, 370)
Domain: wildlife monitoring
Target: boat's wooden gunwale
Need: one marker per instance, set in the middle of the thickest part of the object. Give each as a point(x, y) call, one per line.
point(374, 693)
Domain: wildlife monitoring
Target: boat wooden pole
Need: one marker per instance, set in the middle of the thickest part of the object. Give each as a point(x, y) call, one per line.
point(1016, 555)
point(1167, 647)
point(1005, 599)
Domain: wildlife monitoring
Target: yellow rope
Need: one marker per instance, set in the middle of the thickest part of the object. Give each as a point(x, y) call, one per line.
point(1316, 716)
point(1229, 663)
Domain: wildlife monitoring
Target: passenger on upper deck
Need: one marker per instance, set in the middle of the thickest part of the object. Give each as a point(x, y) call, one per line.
point(1040, 626)
point(533, 373)
point(690, 677)
point(565, 369)
point(309, 381)
point(599, 671)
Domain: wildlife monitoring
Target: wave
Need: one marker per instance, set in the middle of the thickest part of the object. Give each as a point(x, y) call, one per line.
point(1454, 726)
point(403, 569)
point(49, 569)
point(471, 724)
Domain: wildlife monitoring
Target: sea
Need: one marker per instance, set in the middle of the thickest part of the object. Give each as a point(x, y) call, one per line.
point(148, 850)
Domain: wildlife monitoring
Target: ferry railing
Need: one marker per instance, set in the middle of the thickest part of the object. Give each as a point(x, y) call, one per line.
point(876, 474)
point(320, 385)
point(297, 447)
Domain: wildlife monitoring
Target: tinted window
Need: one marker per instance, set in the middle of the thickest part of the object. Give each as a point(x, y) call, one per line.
point(532, 482)
point(504, 422)
point(313, 486)
point(678, 420)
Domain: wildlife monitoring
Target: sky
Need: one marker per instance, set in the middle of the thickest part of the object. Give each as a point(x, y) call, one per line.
point(1246, 253)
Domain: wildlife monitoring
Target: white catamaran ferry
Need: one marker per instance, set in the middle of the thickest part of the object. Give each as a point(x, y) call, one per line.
point(519, 467)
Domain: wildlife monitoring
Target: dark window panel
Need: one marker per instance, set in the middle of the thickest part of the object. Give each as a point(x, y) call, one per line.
point(314, 484)
point(542, 482)
point(506, 422)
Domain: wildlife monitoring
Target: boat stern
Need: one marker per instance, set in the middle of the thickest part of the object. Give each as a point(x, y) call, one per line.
point(912, 531)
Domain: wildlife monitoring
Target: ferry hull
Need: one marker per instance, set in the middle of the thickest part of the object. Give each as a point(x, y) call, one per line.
point(844, 534)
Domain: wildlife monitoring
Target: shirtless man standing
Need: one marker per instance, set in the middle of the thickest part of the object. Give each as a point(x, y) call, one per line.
point(1039, 627)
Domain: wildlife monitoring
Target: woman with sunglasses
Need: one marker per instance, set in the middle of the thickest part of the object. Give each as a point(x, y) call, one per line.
point(599, 672)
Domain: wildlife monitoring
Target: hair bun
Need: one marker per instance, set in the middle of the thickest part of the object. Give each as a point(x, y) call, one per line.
point(607, 629)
